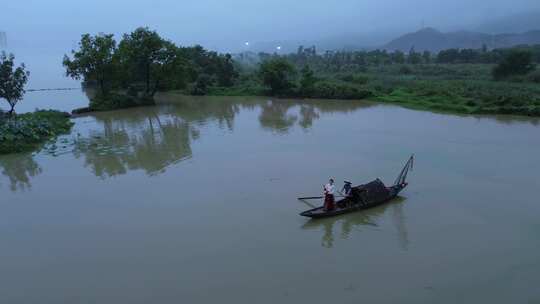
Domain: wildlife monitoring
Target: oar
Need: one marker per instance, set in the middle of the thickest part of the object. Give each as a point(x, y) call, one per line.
point(307, 203)
point(310, 197)
point(316, 197)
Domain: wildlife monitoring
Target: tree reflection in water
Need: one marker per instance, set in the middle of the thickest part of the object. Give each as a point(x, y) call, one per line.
point(280, 115)
point(275, 117)
point(148, 140)
point(153, 138)
point(359, 219)
point(19, 168)
point(308, 114)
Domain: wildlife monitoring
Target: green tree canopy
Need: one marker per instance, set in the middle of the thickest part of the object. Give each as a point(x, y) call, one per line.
point(144, 63)
point(143, 52)
point(307, 80)
point(12, 80)
point(94, 61)
point(398, 57)
point(277, 74)
point(516, 62)
point(414, 57)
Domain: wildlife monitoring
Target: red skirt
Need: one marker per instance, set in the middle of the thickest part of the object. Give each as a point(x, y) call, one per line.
point(329, 202)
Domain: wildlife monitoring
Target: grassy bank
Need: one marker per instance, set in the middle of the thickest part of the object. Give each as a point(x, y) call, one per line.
point(28, 131)
point(465, 88)
point(460, 96)
point(454, 88)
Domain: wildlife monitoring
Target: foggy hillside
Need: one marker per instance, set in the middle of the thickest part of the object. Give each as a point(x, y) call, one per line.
point(517, 23)
point(494, 32)
point(257, 25)
point(433, 40)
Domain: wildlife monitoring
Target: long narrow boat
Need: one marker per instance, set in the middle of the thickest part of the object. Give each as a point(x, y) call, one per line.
point(365, 196)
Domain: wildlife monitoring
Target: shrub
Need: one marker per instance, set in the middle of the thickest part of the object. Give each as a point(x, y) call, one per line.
point(200, 87)
point(346, 77)
point(405, 70)
point(332, 90)
point(114, 101)
point(534, 77)
point(516, 62)
point(357, 79)
point(24, 132)
point(278, 74)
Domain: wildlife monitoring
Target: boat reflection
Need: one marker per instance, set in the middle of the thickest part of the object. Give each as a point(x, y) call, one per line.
point(357, 220)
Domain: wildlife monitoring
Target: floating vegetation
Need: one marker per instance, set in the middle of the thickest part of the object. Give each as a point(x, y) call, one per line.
point(27, 132)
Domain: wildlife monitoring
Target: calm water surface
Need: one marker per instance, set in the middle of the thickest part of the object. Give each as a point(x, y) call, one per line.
point(193, 201)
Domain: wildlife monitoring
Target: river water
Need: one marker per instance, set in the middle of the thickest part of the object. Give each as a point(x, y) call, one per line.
point(194, 201)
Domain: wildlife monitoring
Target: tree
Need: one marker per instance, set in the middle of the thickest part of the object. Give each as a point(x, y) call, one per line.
point(12, 80)
point(200, 87)
point(398, 57)
point(277, 74)
point(448, 56)
point(307, 82)
point(93, 61)
point(515, 62)
point(139, 52)
point(414, 57)
point(426, 56)
point(165, 65)
point(227, 72)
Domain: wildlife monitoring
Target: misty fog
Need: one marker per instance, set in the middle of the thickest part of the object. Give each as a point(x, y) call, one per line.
point(227, 25)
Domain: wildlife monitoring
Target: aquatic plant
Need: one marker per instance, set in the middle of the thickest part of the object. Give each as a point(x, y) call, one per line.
point(27, 131)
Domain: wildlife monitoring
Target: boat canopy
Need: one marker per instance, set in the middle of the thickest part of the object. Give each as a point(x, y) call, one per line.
point(371, 192)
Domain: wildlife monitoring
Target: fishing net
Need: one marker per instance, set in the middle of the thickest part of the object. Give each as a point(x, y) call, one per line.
point(403, 174)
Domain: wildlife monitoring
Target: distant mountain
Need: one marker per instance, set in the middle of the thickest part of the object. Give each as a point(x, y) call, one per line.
point(433, 40)
point(517, 23)
point(344, 41)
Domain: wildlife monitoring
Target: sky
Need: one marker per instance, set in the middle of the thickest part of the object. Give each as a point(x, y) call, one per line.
point(225, 25)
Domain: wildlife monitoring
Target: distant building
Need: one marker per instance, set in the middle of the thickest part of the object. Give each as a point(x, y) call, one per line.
point(3, 40)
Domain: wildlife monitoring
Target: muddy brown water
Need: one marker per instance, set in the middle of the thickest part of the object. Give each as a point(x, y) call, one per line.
point(193, 201)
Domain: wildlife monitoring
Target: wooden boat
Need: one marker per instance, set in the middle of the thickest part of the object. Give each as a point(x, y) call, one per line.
point(365, 196)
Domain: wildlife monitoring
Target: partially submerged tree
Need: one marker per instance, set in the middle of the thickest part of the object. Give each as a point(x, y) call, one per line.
point(12, 80)
point(164, 68)
point(94, 61)
point(142, 64)
point(142, 54)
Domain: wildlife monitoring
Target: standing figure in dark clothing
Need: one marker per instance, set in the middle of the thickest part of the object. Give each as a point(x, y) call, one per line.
point(329, 200)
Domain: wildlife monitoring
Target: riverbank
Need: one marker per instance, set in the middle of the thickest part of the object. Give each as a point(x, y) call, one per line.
point(460, 89)
point(26, 132)
point(447, 96)
point(466, 97)
point(114, 101)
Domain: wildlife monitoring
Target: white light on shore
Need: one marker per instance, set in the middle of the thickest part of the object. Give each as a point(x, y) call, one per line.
point(247, 43)
point(278, 48)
